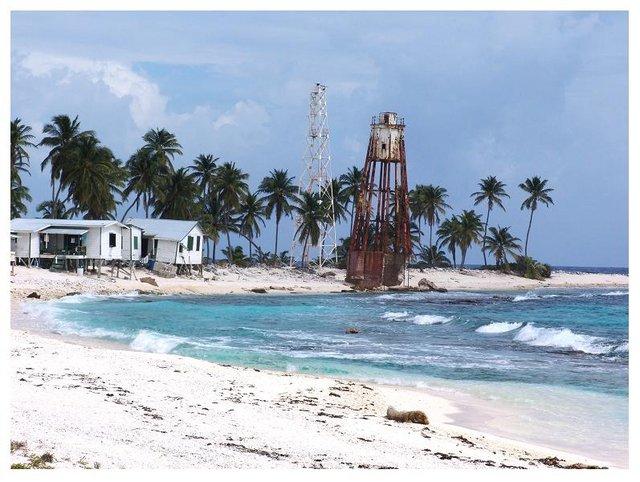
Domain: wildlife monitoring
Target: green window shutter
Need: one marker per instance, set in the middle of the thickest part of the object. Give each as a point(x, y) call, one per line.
point(198, 243)
point(190, 243)
point(135, 242)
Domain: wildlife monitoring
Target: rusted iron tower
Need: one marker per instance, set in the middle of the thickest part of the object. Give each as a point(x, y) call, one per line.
point(316, 178)
point(380, 243)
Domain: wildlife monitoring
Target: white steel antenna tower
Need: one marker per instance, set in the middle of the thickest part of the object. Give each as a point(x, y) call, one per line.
point(316, 178)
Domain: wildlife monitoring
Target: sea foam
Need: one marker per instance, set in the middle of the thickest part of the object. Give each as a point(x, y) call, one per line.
point(562, 338)
point(155, 342)
point(395, 315)
point(530, 295)
point(430, 319)
point(499, 327)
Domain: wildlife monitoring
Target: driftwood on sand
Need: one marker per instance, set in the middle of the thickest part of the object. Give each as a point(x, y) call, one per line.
point(412, 416)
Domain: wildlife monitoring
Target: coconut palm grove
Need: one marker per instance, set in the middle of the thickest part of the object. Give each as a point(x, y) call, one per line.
point(87, 181)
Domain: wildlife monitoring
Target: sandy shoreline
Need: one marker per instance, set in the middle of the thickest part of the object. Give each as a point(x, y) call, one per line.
point(107, 408)
point(232, 280)
point(100, 406)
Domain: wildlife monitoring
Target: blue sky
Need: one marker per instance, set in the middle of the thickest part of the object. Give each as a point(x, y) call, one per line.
point(508, 94)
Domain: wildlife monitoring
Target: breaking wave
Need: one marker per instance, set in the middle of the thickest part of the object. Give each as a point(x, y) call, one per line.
point(84, 297)
point(155, 342)
point(499, 327)
point(563, 338)
point(530, 295)
point(395, 315)
point(430, 319)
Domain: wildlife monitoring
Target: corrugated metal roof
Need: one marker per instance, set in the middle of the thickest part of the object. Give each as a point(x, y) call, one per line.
point(171, 229)
point(34, 225)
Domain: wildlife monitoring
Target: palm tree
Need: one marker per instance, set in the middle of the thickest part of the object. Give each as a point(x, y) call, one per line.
point(92, 177)
point(340, 201)
point(434, 257)
point(491, 190)
point(213, 222)
point(448, 235)
point(501, 244)
point(469, 229)
point(19, 194)
point(204, 171)
point(144, 178)
point(312, 217)
point(62, 135)
point(57, 210)
point(20, 141)
point(177, 196)
point(538, 192)
point(231, 187)
point(21, 138)
point(280, 194)
point(429, 204)
point(162, 146)
point(351, 181)
point(251, 216)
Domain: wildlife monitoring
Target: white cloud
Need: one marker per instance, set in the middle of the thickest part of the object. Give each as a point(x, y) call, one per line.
point(147, 105)
point(243, 112)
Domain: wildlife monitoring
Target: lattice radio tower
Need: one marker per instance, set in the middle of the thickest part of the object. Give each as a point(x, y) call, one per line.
point(316, 178)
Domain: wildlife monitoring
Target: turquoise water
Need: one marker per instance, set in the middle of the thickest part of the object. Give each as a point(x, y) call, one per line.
point(551, 346)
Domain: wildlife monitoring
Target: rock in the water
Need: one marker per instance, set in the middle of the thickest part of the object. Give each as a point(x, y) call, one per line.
point(258, 290)
point(413, 416)
point(351, 331)
point(73, 293)
point(426, 285)
point(34, 295)
point(149, 280)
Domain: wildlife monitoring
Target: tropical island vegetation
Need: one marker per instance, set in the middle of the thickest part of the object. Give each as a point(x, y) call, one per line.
point(88, 181)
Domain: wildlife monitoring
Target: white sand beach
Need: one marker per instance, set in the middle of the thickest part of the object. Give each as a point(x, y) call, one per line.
point(100, 407)
point(233, 280)
point(95, 405)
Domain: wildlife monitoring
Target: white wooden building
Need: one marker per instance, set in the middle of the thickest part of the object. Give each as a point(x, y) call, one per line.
point(77, 240)
point(170, 240)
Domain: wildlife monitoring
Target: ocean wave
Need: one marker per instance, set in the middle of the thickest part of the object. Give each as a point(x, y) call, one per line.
point(84, 297)
point(528, 296)
point(430, 319)
point(616, 293)
point(622, 348)
point(499, 327)
point(395, 315)
point(155, 342)
point(563, 338)
point(72, 328)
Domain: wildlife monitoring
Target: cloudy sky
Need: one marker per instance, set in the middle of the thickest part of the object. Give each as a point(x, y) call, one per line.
point(508, 94)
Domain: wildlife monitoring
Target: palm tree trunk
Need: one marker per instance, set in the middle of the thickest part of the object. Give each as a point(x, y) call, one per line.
point(353, 206)
point(250, 247)
point(214, 252)
point(229, 247)
point(53, 197)
point(304, 251)
point(129, 209)
point(430, 234)
point(463, 252)
point(526, 243)
point(484, 237)
point(277, 227)
point(453, 255)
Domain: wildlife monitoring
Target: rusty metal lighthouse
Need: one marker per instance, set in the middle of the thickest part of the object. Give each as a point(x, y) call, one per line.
point(380, 243)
